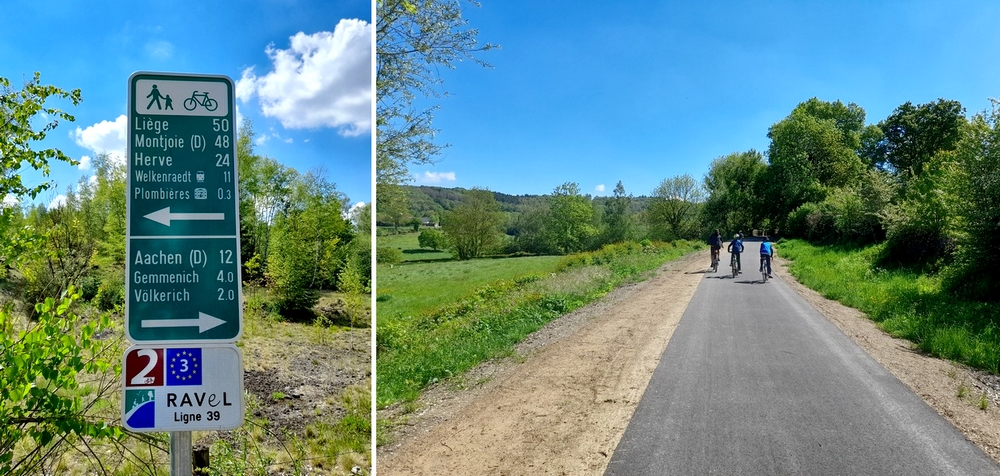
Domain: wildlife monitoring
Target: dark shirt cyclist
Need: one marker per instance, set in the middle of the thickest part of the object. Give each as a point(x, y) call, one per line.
point(715, 242)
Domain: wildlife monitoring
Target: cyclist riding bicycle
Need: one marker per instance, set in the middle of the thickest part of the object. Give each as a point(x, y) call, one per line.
point(766, 252)
point(735, 248)
point(715, 241)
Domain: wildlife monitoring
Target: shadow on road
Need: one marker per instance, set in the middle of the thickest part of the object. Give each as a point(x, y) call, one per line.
point(704, 271)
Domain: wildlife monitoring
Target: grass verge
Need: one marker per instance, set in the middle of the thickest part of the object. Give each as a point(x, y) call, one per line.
point(904, 303)
point(418, 348)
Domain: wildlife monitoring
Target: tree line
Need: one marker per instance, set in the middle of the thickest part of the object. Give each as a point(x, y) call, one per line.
point(922, 183)
point(479, 222)
point(295, 236)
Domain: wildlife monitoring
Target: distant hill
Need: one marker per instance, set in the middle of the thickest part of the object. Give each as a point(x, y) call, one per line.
point(430, 202)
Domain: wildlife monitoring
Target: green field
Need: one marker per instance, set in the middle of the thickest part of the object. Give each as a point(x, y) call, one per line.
point(420, 287)
point(436, 320)
point(411, 247)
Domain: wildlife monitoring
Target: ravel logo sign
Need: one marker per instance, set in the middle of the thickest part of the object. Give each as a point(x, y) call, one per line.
point(182, 388)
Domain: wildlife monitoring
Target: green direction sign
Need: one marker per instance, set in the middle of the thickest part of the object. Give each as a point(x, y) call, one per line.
point(183, 251)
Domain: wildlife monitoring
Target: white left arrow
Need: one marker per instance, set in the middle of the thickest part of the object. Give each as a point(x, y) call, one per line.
point(204, 322)
point(163, 216)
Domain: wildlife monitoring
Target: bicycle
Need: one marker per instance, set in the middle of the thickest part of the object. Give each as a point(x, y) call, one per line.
point(194, 101)
point(732, 262)
point(715, 261)
point(765, 268)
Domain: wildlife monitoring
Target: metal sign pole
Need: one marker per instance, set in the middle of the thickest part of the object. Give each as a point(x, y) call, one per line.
point(180, 453)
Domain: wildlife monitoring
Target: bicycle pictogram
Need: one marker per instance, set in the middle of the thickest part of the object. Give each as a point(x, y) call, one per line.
point(200, 100)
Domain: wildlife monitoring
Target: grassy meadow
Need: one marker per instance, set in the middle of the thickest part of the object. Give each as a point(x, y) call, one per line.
point(407, 242)
point(438, 319)
point(420, 287)
point(904, 303)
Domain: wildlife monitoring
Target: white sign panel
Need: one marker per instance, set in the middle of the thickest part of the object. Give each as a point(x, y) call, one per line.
point(160, 97)
point(182, 388)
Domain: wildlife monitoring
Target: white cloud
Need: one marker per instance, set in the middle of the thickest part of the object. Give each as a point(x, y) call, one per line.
point(104, 137)
point(159, 49)
point(239, 117)
point(436, 177)
point(9, 201)
point(599, 188)
point(352, 213)
point(92, 180)
point(84, 163)
point(57, 202)
point(322, 80)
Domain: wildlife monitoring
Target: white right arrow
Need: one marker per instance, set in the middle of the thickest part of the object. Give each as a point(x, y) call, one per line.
point(204, 322)
point(163, 216)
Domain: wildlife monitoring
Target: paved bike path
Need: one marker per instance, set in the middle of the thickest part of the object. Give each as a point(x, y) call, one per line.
point(756, 381)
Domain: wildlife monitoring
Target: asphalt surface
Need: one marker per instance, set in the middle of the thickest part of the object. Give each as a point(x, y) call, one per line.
point(755, 381)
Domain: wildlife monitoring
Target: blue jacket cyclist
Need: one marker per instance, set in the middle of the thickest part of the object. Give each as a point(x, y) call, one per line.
point(766, 252)
point(736, 247)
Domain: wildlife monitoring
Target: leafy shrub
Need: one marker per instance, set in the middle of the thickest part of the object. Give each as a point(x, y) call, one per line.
point(111, 293)
point(853, 220)
point(259, 304)
point(914, 237)
point(979, 188)
point(432, 239)
point(89, 286)
point(387, 255)
point(41, 373)
point(813, 221)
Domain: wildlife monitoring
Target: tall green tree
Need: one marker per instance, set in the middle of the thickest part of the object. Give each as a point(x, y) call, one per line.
point(618, 221)
point(18, 109)
point(106, 202)
point(266, 187)
point(530, 229)
point(41, 405)
point(979, 208)
point(414, 40)
point(474, 226)
point(571, 218)
point(731, 183)
point(674, 210)
point(307, 242)
point(812, 150)
point(912, 135)
point(65, 253)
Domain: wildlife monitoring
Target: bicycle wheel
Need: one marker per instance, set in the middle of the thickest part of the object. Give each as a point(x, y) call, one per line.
point(732, 263)
point(211, 104)
point(190, 104)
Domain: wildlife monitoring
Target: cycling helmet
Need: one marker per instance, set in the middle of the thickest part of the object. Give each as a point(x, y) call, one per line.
point(736, 236)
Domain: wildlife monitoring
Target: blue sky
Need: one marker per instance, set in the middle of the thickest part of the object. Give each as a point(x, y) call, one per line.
point(302, 67)
point(640, 91)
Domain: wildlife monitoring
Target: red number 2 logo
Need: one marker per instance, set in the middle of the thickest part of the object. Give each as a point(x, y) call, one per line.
point(144, 368)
